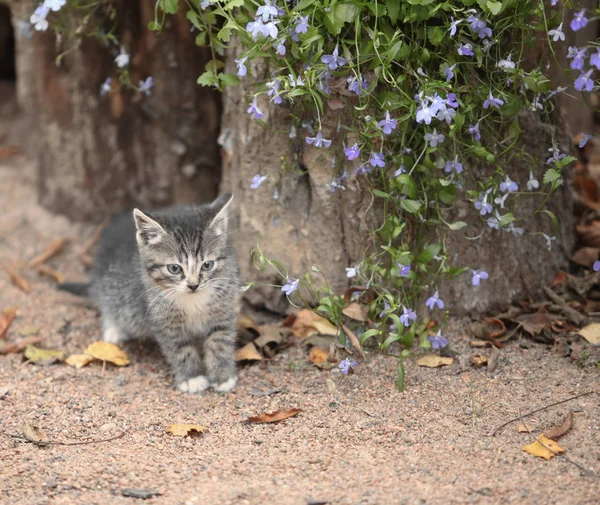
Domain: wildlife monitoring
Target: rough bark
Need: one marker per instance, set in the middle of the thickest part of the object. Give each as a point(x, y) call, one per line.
point(99, 154)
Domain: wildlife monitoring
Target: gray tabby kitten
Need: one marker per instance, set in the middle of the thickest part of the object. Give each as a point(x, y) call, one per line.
point(172, 275)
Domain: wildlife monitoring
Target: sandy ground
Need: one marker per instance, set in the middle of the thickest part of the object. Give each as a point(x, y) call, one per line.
point(357, 441)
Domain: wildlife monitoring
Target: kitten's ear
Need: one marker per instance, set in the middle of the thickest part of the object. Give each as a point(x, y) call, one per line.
point(148, 230)
point(223, 207)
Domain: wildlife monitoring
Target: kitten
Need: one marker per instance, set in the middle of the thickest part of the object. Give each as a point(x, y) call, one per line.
point(172, 275)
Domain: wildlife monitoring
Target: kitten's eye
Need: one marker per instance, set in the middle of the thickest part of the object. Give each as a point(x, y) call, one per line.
point(208, 265)
point(174, 269)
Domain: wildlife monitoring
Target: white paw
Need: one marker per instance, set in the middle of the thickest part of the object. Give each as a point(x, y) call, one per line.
point(226, 386)
point(194, 385)
point(113, 336)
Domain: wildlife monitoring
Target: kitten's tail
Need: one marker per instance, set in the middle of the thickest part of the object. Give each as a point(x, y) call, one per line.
point(77, 288)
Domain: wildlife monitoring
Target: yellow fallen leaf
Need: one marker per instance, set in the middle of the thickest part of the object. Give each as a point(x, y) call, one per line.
point(525, 428)
point(248, 353)
point(31, 433)
point(318, 355)
point(79, 360)
point(479, 360)
point(274, 417)
point(591, 333)
point(105, 351)
point(308, 323)
point(43, 356)
point(184, 430)
point(434, 361)
point(543, 447)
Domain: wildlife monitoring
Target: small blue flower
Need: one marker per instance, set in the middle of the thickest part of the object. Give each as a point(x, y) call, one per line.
point(254, 110)
point(451, 101)
point(38, 18)
point(548, 241)
point(407, 316)
point(290, 286)
point(355, 87)
point(453, 166)
point(557, 34)
point(257, 180)
point(376, 160)
point(474, 130)
point(595, 59)
point(267, 11)
point(146, 86)
point(273, 92)
point(318, 141)
point(482, 204)
point(388, 124)
point(434, 139)
point(333, 60)
point(465, 50)
point(578, 56)
point(584, 82)
point(352, 152)
point(596, 266)
point(122, 60)
point(106, 86)
point(424, 114)
point(453, 26)
point(434, 300)
point(556, 155)
point(364, 169)
point(492, 102)
point(301, 24)
point(532, 183)
point(346, 365)
point(449, 73)
point(280, 48)
point(478, 275)
point(584, 140)
point(403, 270)
point(54, 5)
point(438, 341)
point(508, 186)
point(242, 70)
point(479, 27)
point(579, 21)
point(400, 171)
point(351, 272)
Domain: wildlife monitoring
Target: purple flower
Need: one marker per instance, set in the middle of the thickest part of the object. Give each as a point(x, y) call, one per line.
point(482, 204)
point(508, 63)
point(556, 155)
point(333, 60)
point(376, 160)
point(388, 124)
point(465, 50)
point(258, 27)
point(400, 171)
point(595, 59)
point(492, 102)
point(105, 87)
point(449, 73)
point(579, 21)
point(435, 138)
point(453, 26)
point(280, 48)
point(146, 85)
point(434, 300)
point(38, 18)
point(347, 364)
point(532, 183)
point(267, 11)
point(352, 152)
point(364, 169)
point(242, 70)
point(548, 241)
point(508, 186)
point(355, 87)
point(55, 5)
point(257, 180)
point(254, 110)
point(301, 24)
point(351, 272)
point(407, 316)
point(323, 82)
point(273, 92)
point(453, 166)
point(334, 184)
point(122, 60)
point(438, 341)
point(403, 270)
point(500, 200)
point(318, 141)
point(557, 34)
point(386, 308)
point(578, 57)
point(584, 140)
point(596, 266)
point(584, 81)
point(451, 101)
point(478, 275)
point(424, 114)
point(479, 27)
point(290, 286)
point(474, 130)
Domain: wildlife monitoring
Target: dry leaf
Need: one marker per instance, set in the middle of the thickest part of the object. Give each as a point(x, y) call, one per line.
point(247, 328)
point(355, 311)
point(105, 351)
point(52, 250)
point(478, 360)
point(480, 343)
point(248, 353)
point(271, 336)
point(308, 323)
point(535, 323)
point(9, 314)
point(17, 279)
point(525, 428)
point(543, 447)
point(184, 430)
point(591, 333)
point(589, 234)
point(79, 360)
point(32, 433)
point(318, 355)
point(273, 417)
point(558, 431)
point(29, 331)
point(43, 357)
point(8, 347)
point(320, 341)
point(353, 340)
point(434, 361)
point(585, 256)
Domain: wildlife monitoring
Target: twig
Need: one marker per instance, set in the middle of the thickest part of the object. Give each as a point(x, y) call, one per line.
point(527, 414)
point(17, 279)
point(569, 312)
point(50, 272)
point(52, 250)
point(52, 442)
point(87, 247)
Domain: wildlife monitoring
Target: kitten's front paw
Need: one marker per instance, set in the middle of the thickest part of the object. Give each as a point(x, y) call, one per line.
point(112, 335)
point(226, 386)
point(194, 385)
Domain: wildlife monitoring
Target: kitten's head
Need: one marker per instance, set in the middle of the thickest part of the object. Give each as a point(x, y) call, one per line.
point(184, 249)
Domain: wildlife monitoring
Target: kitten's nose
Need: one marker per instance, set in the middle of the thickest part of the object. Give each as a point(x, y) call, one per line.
point(193, 287)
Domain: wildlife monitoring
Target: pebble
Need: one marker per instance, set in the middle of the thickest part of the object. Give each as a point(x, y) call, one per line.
point(108, 427)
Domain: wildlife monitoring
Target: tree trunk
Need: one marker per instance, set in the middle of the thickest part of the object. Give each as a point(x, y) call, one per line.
point(99, 154)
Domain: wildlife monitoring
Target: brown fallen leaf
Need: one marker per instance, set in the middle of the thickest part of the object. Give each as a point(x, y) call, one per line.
point(560, 278)
point(492, 359)
point(478, 360)
point(591, 333)
point(50, 272)
point(274, 417)
point(185, 430)
point(589, 233)
point(79, 360)
point(318, 355)
point(105, 351)
point(10, 347)
point(43, 357)
point(271, 336)
point(17, 279)
point(480, 343)
point(353, 340)
point(558, 431)
point(248, 353)
point(31, 433)
point(585, 256)
point(535, 323)
point(52, 250)
point(308, 323)
point(9, 314)
point(247, 329)
point(543, 447)
point(434, 361)
point(525, 428)
point(356, 311)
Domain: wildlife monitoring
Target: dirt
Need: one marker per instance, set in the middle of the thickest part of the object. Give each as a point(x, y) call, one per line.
point(356, 441)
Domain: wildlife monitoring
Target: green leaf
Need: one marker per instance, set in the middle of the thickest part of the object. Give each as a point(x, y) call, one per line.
point(411, 206)
point(201, 39)
point(400, 379)
point(494, 7)
point(459, 225)
point(232, 4)
point(208, 79)
point(153, 26)
point(394, 337)
point(393, 8)
point(368, 334)
point(335, 19)
point(229, 79)
point(377, 192)
point(169, 6)
point(436, 35)
point(214, 65)
point(551, 176)
point(303, 4)
point(429, 253)
point(506, 219)
point(552, 217)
